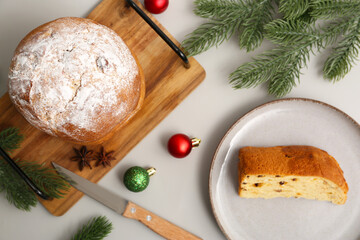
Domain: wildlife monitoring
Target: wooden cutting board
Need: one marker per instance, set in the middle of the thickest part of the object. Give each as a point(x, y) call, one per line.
point(168, 82)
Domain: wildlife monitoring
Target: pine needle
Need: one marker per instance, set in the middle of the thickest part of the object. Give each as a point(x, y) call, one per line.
point(306, 17)
point(208, 35)
point(227, 17)
point(285, 33)
point(286, 78)
point(10, 139)
point(16, 190)
point(298, 34)
point(45, 178)
point(252, 28)
point(218, 9)
point(282, 82)
point(331, 9)
point(293, 9)
point(282, 66)
point(344, 55)
point(17, 193)
point(96, 229)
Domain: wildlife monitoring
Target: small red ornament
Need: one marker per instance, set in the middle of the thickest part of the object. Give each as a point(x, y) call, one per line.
point(156, 6)
point(180, 145)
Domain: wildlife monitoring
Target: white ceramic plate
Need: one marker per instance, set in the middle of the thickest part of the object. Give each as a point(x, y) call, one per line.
point(288, 122)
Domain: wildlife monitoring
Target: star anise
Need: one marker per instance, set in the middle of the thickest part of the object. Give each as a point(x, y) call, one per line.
point(104, 158)
point(83, 156)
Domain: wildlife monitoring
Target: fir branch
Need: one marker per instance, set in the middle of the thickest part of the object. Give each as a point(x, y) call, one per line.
point(283, 82)
point(227, 17)
point(293, 9)
point(287, 32)
point(336, 28)
point(16, 190)
point(285, 79)
point(344, 55)
point(272, 66)
point(283, 65)
point(208, 35)
point(330, 9)
point(218, 9)
point(96, 229)
point(306, 17)
point(296, 33)
point(252, 29)
point(45, 178)
point(10, 139)
point(292, 32)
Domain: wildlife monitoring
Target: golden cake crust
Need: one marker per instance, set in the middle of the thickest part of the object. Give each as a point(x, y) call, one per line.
point(298, 160)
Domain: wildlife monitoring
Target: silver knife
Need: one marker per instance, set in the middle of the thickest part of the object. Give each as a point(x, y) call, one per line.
point(126, 208)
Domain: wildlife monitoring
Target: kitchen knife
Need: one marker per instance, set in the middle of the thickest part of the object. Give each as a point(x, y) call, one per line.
point(126, 208)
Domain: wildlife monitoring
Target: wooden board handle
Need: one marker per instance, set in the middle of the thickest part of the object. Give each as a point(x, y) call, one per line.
point(159, 225)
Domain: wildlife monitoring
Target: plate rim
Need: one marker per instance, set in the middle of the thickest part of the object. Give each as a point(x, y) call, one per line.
point(240, 119)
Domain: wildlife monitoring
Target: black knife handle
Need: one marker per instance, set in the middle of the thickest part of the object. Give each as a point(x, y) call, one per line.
point(23, 175)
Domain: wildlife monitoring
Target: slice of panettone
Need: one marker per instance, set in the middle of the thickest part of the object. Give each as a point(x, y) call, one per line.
point(290, 171)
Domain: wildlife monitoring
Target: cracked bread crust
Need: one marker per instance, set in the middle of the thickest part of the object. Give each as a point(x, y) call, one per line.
point(282, 162)
point(76, 79)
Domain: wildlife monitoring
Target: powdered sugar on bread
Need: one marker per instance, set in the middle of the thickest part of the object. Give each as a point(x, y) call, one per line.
point(70, 76)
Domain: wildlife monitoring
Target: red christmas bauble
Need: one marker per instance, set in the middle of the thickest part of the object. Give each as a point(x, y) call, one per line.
point(180, 145)
point(156, 6)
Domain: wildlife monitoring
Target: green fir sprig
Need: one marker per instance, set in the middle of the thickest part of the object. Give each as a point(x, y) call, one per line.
point(297, 35)
point(281, 67)
point(330, 9)
point(15, 189)
point(10, 139)
point(343, 56)
point(225, 18)
point(252, 29)
point(96, 229)
point(293, 9)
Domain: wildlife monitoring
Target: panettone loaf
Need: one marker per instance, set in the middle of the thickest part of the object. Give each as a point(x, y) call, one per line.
point(76, 79)
point(290, 171)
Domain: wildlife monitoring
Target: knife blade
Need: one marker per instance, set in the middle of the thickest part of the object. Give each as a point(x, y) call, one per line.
point(124, 207)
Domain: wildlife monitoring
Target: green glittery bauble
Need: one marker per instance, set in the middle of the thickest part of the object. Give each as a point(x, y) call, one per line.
point(136, 179)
